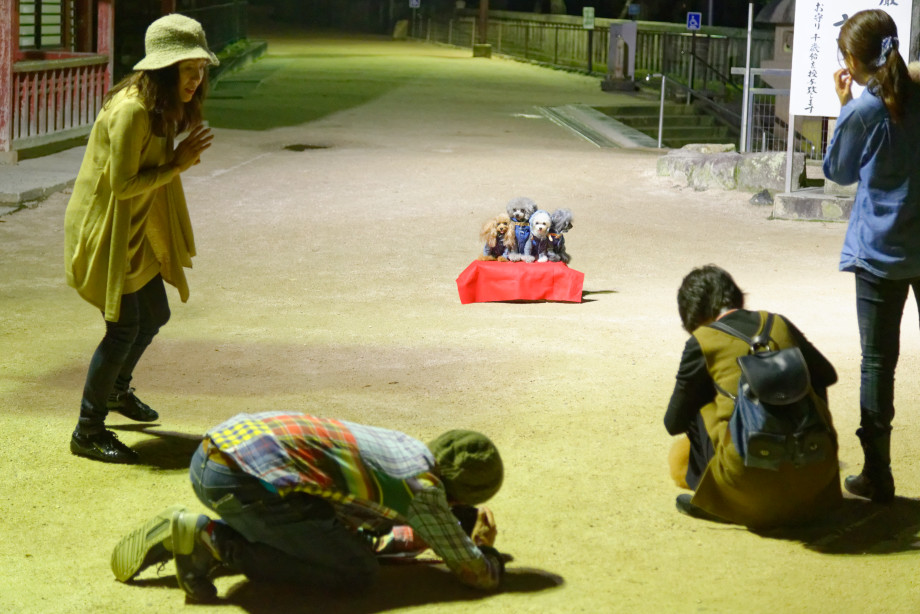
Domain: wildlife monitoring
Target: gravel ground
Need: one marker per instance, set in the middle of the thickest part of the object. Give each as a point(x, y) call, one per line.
point(325, 283)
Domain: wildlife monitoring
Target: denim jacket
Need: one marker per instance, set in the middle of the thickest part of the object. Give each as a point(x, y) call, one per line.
point(883, 235)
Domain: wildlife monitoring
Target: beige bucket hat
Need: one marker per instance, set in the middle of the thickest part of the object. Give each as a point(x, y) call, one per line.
point(174, 38)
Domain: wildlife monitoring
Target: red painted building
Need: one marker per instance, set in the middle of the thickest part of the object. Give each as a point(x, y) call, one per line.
point(55, 68)
point(56, 60)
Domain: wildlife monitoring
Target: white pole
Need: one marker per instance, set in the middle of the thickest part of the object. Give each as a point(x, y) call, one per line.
point(664, 80)
point(790, 149)
point(710, 12)
point(747, 80)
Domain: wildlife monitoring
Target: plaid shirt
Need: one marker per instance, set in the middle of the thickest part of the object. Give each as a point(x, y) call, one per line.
point(375, 478)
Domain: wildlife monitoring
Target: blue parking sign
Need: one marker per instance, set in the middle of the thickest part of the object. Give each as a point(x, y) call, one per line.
point(694, 21)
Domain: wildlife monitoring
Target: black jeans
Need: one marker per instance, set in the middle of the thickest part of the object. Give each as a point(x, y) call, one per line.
point(879, 308)
point(142, 314)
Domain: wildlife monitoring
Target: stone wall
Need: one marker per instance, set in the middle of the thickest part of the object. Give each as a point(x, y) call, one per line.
point(718, 166)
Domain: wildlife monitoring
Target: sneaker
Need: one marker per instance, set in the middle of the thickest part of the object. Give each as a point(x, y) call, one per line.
point(194, 561)
point(103, 446)
point(148, 544)
point(684, 506)
point(131, 407)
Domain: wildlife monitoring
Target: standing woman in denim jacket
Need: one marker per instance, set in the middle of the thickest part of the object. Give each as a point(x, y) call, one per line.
point(127, 228)
point(876, 144)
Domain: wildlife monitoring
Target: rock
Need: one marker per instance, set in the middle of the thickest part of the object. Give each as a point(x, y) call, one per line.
point(758, 171)
point(679, 164)
point(717, 171)
point(839, 190)
point(709, 147)
point(750, 172)
point(698, 170)
point(762, 198)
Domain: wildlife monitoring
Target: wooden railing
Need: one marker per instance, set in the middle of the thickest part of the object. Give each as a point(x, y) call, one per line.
point(56, 99)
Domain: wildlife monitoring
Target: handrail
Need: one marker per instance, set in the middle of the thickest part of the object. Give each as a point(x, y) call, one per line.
point(722, 78)
point(704, 99)
point(726, 115)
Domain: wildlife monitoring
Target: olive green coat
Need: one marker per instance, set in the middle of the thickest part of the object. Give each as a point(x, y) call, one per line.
point(757, 498)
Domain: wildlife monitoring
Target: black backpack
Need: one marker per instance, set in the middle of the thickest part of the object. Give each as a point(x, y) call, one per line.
point(776, 419)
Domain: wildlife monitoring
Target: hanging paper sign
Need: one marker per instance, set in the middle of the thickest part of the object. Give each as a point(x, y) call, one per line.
point(815, 57)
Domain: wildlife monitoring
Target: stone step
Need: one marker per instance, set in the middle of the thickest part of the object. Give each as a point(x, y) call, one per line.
point(679, 143)
point(720, 133)
point(812, 204)
point(643, 122)
point(669, 109)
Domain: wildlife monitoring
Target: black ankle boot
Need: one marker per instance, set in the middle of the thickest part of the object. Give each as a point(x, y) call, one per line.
point(879, 488)
point(875, 482)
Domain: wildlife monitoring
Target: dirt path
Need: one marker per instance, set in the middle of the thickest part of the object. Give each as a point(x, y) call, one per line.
point(325, 283)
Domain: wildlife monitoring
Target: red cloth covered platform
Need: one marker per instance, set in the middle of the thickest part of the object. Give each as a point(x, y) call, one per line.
point(489, 281)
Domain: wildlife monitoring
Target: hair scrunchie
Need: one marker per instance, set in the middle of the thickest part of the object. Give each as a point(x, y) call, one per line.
point(889, 44)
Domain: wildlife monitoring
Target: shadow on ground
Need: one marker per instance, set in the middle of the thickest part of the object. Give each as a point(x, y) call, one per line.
point(431, 582)
point(861, 527)
point(429, 585)
point(166, 450)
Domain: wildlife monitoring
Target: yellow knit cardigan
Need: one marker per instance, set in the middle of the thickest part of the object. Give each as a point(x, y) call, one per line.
point(127, 218)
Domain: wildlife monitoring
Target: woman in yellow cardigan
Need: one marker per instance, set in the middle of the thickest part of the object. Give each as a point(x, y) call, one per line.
point(127, 227)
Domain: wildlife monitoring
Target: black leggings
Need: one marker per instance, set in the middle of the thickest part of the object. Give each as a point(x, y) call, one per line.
point(142, 314)
point(701, 451)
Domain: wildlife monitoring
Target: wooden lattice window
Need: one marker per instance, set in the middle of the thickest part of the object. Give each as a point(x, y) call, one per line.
point(45, 24)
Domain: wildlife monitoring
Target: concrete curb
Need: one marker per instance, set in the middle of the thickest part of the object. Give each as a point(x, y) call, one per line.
point(37, 178)
point(600, 129)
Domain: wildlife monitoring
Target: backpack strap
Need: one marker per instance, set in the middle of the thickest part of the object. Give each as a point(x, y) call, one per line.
point(761, 339)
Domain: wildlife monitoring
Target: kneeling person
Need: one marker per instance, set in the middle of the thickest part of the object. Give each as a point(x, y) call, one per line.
point(298, 497)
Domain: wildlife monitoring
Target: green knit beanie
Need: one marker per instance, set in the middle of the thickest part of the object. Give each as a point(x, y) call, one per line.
point(469, 465)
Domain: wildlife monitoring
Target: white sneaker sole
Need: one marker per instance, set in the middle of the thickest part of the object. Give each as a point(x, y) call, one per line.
point(129, 554)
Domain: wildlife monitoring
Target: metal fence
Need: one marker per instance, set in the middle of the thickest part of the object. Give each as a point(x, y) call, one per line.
point(705, 59)
point(767, 131)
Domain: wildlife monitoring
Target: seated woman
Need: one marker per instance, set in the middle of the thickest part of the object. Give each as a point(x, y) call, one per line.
point(706, 460)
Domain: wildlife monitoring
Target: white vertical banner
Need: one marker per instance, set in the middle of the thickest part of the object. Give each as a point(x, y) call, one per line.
point(814, 50)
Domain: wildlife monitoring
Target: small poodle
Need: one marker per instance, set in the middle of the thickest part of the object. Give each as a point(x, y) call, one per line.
point(538, 245)
point(498, 239)
point(519, 210)
point(562, 222)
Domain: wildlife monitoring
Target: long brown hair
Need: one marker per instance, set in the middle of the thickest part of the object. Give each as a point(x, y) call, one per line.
point(863, 36)
point(159, 90)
